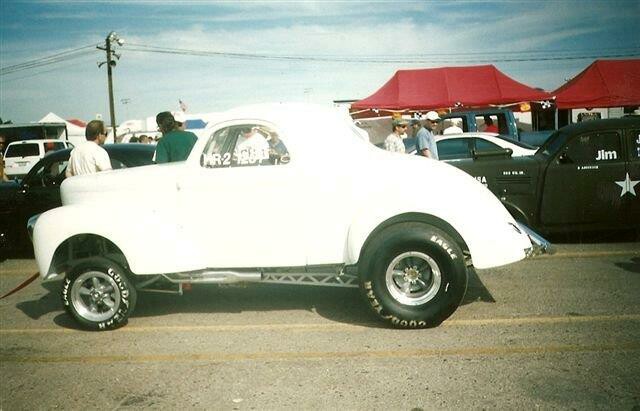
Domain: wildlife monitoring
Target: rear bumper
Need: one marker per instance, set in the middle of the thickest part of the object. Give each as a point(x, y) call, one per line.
point(539, 245)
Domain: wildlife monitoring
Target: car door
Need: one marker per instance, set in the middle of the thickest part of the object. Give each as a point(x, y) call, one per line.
point(242, 208)
point(630, 185)
point(580, 185)
point(40, 189)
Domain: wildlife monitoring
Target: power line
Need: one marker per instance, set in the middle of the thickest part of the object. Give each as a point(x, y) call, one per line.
point(52, 59)
point(470, 57)
point(432, 58)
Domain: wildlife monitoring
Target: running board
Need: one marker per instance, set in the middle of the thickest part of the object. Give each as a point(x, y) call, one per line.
point(327, 279)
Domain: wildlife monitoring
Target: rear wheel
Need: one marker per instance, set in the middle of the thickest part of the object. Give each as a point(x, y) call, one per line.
point(98, 294)
point(414, 276)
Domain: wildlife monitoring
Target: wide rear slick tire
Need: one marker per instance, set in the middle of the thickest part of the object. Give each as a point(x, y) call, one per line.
point(414, 275)
point(98, 294)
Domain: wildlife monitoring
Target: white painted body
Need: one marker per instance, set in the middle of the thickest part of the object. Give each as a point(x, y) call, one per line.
point(317, 209)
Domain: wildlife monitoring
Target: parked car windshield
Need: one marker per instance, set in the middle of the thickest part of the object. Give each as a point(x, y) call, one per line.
point(553, 143)
point(515, 142)
point(23, 150)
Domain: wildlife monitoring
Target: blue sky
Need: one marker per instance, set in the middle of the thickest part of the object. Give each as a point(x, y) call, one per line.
point(325, 50)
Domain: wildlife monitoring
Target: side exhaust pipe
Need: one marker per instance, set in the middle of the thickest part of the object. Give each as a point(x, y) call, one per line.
point(539, 244)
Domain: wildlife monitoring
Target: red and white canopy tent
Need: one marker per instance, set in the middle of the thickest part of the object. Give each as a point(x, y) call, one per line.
point(449, 87)
point(605, 83)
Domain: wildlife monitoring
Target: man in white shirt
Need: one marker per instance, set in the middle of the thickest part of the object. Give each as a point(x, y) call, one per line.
point(89, 157)
point(251, 147)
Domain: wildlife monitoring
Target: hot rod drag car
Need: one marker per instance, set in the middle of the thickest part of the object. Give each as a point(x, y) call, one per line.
point(265, 197)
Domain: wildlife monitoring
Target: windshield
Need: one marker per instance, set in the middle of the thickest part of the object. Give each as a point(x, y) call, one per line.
point(516, 143)
point(553, 143)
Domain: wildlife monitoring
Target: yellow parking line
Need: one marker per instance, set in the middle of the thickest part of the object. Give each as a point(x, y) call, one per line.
point(334, 326)
point(582, 254)
point(545, 320)
point(327, 355)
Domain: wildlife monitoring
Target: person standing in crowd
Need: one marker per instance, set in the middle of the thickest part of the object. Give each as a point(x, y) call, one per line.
point(489, 127)
point(175, 144)
point(88, 157)
point(3, 176)
point(454, 128)
point(394, 142)
point(425, 140)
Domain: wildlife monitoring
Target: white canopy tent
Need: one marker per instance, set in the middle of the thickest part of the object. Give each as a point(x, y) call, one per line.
point(74, 132)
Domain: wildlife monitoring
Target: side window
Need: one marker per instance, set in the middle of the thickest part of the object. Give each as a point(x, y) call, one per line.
point(634, 145)
point(455, 121)
point(492, 123)
point(217, 152)
point(48, 174)
point(453, 148)
point(58, 146)
point(245, 145)
point(53, 146)
point(593, 148)
point(483, 145)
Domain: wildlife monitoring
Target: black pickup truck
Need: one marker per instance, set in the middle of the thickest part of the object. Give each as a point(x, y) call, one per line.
point(585, 177)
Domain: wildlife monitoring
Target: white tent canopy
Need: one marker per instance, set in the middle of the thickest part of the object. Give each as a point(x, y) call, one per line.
point(75, 133)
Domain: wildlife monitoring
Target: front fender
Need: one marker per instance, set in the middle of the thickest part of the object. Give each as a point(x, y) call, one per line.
point(469, 208)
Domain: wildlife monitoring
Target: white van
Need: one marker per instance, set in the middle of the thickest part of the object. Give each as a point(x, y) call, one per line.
point(20, 156)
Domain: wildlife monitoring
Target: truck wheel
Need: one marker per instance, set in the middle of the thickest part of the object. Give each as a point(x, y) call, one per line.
point(415, 276)
point(98, 294)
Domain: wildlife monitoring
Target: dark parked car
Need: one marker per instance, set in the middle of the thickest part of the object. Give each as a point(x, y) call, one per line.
point(585, 177)
point(40, 190)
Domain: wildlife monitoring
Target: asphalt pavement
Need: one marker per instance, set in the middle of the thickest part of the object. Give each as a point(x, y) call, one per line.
point(554, 332)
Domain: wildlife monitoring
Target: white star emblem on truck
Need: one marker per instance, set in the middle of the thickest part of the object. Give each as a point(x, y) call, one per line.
point(627, 185)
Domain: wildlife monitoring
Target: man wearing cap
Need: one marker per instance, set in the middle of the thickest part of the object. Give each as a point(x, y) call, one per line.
point(425, 140)
point(175, 144)
point(394, 142)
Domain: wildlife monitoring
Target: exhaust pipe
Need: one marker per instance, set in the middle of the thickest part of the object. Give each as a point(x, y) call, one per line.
point(539, 245)
point(214, 277)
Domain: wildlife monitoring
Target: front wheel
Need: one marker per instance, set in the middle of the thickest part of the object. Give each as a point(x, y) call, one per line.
point(414, 275)
point(98, 294)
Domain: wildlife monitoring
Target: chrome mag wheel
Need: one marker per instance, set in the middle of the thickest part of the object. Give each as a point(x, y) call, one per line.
point(413, 278)
point(95, 296)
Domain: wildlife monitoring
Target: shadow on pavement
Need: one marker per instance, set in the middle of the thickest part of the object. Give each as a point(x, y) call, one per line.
point(632, 266)
point(476, 291)
point(48, 303)
point(595, 237)
point(345, 305)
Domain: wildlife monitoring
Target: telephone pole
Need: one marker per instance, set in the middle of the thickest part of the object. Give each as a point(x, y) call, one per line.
point(109, 47)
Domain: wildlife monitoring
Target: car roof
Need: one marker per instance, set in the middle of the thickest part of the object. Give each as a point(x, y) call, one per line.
point(37, 140)
point(594, 125)
point(120, 148)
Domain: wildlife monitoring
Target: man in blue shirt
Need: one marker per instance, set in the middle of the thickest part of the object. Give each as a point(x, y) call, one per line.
point(425, 139)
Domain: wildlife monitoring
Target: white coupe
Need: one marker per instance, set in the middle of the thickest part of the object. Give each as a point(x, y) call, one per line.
point(280, 193)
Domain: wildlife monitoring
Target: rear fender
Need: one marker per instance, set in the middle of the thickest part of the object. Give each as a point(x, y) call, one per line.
point(147, 246)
